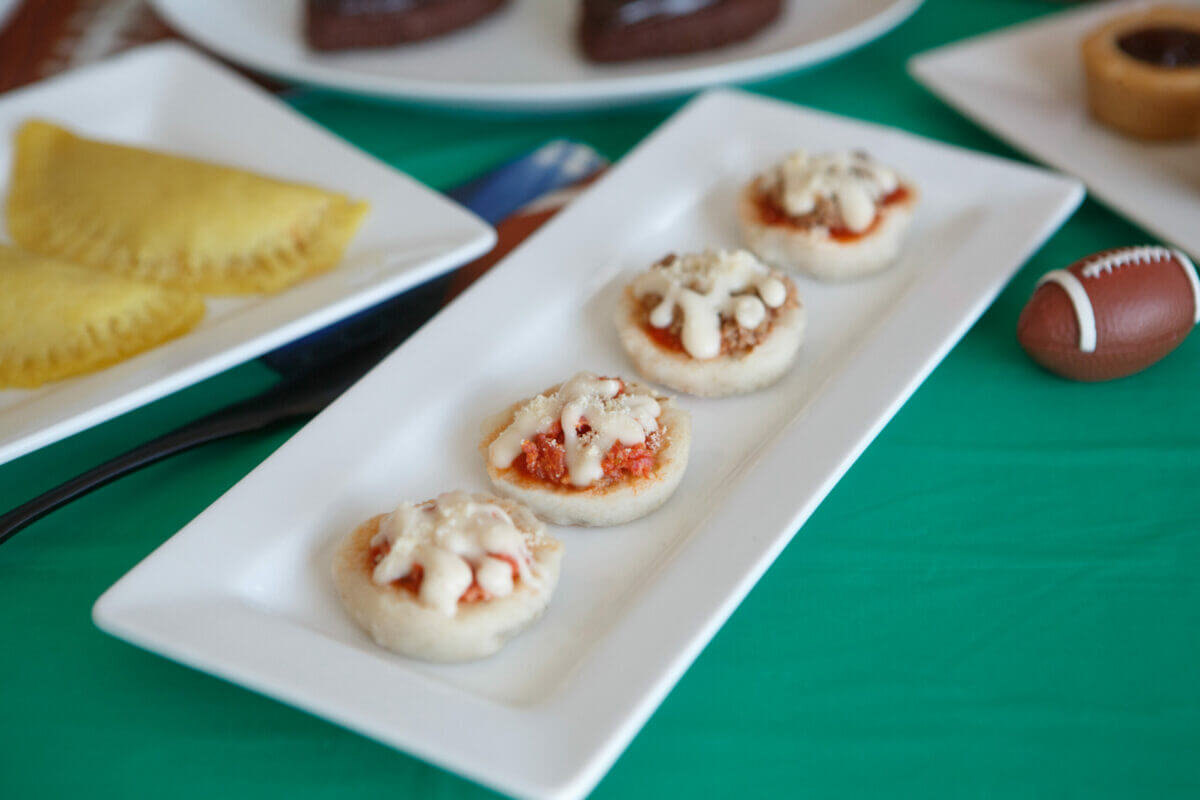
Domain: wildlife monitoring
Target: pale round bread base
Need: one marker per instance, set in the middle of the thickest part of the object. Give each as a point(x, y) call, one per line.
point(814, 253)
point(395, 619)
point(711, 377)
point(602, 506)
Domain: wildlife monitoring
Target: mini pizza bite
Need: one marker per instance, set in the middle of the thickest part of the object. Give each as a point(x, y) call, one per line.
point(450, 579)
point(834, 216)
point(591, 451)
point(711, 324)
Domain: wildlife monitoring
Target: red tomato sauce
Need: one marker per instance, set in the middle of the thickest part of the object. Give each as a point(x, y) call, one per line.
point(544, 457)
point(664, 338)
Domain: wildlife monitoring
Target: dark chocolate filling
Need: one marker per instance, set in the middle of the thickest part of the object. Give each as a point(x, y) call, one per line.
point(1163, 46)
point(632, 12)
point(356, 7)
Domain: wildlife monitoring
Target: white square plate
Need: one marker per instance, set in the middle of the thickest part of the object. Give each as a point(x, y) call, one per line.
point(168, 97)
point(1026, 85)
point(244, 591)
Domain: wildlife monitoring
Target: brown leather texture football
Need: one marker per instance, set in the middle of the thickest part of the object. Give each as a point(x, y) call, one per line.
point(1111, 314)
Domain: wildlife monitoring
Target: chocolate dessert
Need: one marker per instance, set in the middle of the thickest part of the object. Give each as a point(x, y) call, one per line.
point(1163, 47)
point(625, 30)
point(1142, 72)
point(346, 24)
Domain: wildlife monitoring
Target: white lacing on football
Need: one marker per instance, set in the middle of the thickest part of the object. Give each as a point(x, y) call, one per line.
point(1080, 301)
point(1124, 257)
point(1128, 256)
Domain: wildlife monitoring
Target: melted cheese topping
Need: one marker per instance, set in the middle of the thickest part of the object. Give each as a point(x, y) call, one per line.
point(703, 286)
point(455, 539)
point(851, 179)
point(626, 419)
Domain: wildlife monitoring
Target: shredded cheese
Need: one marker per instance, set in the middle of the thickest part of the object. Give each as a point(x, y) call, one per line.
point(705, 286)
point(626, 419)
point(456, 540)
point(851, 179)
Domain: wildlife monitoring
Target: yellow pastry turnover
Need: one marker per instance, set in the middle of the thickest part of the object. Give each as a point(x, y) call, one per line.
point(59, 319)
point(169, 219)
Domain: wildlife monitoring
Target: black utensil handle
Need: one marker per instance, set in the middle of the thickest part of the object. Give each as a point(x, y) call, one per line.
point(234, 420)
point(299, 398)
point(289, 400)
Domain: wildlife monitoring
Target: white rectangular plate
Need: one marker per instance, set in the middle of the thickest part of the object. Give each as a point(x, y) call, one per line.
point(168, 97)
point(1026, 85)
point(244, 591)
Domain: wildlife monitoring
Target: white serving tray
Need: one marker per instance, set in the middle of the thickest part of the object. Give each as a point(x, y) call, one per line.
point(169, 97)
point(525, 57)
point(244, 591)
point(1025, 84)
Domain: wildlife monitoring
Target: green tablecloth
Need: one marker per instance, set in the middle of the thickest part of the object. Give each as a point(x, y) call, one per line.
point(999, 600)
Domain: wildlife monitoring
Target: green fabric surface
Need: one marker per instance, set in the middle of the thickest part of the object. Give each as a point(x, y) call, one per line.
point(999, 600)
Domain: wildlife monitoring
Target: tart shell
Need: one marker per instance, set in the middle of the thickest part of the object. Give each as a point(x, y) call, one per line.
point(1137, 98)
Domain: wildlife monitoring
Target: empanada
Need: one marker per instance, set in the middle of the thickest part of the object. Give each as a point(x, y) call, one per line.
point(168, 219)
point(59, 319)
